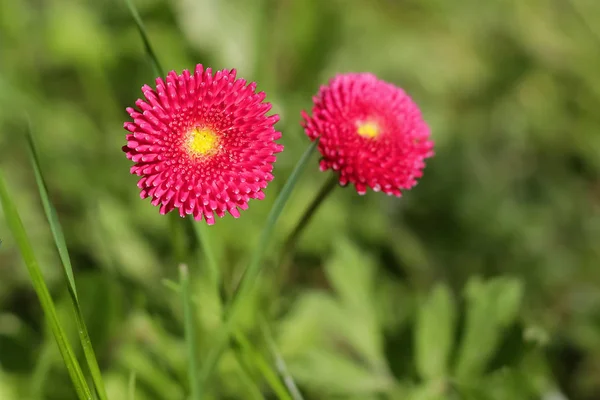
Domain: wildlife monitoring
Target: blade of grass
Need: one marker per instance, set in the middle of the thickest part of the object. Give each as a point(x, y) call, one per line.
point(245, 375)
point(263, 366)
point(190, 331)
point(158, 71)
point(61, 245)
point(131, 386)
point(244, 343)
point(280, 362)
point(16, 226)
point(253, 270)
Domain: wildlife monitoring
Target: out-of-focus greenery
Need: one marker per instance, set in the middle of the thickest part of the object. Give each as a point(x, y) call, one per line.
point(483, 282)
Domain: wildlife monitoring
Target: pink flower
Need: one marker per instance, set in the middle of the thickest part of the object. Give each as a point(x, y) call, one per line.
point(202, 144)
point(371, 133)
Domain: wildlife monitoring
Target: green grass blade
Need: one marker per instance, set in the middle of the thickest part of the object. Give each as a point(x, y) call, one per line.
point(51, 216)
point(190, 332)
point(263, 366)
point(131, 386)
point(16, 226)
point(61, 245)
point(245, 377)
point(280, 362)
point(158, 71)
point(253, 270)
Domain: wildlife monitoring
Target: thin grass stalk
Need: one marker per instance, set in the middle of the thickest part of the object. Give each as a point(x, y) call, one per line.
point(158, 70)
point(263, 366)
point(16, 226)
point(280, 363)
point(61, 245)
point(253, 270)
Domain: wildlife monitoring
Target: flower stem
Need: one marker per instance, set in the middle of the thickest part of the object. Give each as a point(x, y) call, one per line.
point(190, 332)
point(293, 237)
point(252, 272)
point(203, 238)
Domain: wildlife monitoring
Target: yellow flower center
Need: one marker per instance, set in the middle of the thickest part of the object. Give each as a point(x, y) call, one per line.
point(367, 129)
point(202, 142)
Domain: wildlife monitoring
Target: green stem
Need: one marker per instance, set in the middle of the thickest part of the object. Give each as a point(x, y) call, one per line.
point(203, 237)
point(252, 273)
point(158, 71)
point(280, 364)
point(190, 332)
point(177, 235)
point(131, 386)
point(293, 237)
point(262, 365)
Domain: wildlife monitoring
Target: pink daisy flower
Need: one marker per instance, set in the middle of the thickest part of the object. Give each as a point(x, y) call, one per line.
point(202, 143)
point(371, 133)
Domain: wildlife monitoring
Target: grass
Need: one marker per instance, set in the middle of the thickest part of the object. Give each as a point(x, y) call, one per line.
point(501, 229)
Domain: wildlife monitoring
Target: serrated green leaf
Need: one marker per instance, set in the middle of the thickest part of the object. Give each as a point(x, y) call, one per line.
point(509, 294)
point(329, 373)
point(491, 307)
point(351, 272)
point(434, 333)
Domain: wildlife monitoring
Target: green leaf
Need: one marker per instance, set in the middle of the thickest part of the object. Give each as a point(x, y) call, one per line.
point(61, 245)
point(252, 272)
point(509, 294)
point(431, 390)
point(328, 372)
point(16, 226)
point(352, 274)
point(434, 333)
point(491, 307)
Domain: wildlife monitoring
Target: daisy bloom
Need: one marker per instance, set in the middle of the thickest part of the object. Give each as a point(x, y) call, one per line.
point(202, 143)
point(370, 132)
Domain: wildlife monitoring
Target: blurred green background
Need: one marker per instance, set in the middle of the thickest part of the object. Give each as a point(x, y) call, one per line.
point(483, 282)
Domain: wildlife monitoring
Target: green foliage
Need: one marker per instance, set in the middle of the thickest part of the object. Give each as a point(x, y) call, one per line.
point(434, 334)
point(480, 283)
point(490, 309)
point(63, 252)
point(66, 351)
